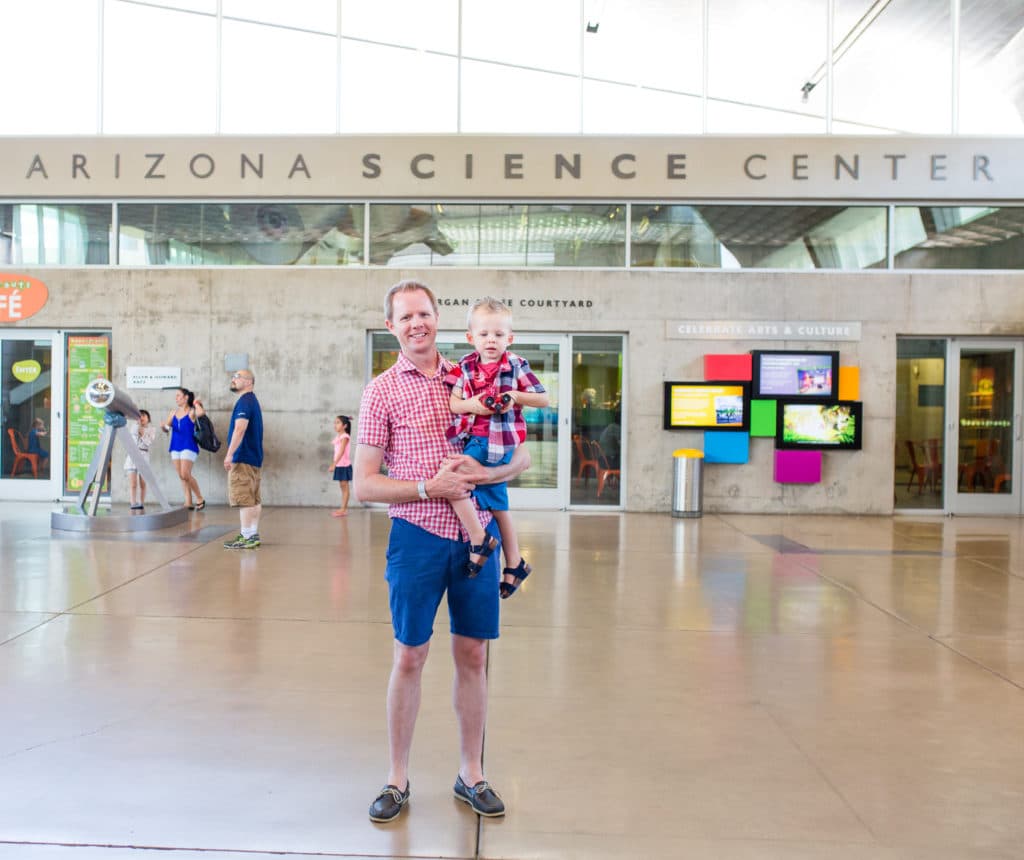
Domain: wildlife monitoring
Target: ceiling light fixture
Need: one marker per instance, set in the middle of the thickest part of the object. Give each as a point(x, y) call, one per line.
point(856, 31)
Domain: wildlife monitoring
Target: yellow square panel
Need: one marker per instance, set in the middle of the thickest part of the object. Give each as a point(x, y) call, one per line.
point(849, 383)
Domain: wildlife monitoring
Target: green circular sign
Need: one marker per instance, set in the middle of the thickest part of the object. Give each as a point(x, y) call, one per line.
point(26, 371)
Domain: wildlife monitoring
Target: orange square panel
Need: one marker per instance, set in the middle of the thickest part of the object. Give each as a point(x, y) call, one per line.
point(849, 383)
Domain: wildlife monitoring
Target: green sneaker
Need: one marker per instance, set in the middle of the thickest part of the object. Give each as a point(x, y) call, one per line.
point(238, 542)
point(253, 542)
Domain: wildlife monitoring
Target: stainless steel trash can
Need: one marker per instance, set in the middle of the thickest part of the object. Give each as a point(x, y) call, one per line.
point(688, 483)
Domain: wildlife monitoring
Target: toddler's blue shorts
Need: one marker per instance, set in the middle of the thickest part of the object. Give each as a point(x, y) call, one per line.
point(489, 497)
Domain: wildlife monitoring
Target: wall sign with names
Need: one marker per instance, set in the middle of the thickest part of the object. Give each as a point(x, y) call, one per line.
point(153, 377)
point(762, 330)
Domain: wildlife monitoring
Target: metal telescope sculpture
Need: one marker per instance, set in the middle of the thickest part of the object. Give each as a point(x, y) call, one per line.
point(82, 516)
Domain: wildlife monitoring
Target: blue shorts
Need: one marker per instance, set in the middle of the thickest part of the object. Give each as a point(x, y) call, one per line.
point(421, 567)
point(489, 497)
point(342, 473)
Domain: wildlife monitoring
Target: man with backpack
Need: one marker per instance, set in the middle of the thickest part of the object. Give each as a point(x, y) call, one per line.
point(244, 459)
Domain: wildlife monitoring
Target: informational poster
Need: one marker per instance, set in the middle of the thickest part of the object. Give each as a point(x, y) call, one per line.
point(707, 405)
point(88, 358)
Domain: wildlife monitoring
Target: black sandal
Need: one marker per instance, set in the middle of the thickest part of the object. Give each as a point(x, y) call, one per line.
point(519, 572)
point(484, 550)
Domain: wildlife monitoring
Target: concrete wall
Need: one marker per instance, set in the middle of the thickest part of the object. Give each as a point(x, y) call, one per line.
point(305, 333)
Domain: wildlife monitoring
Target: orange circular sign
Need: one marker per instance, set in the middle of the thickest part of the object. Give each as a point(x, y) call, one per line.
point(20, 297)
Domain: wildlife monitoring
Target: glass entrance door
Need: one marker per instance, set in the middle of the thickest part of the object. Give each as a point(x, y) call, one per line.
point(982, 455)
point(576, 442)
point(31, 420)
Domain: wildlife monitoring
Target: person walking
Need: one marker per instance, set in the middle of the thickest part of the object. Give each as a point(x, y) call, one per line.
point(244, 460)
point(402, 423)
point(181, 424)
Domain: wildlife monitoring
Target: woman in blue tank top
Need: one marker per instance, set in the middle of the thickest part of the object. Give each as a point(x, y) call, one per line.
point(181, 424)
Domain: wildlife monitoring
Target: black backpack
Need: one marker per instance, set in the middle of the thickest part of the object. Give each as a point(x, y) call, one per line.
point(206, 436)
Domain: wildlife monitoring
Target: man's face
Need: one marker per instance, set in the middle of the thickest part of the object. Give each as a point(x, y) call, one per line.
point(490, 334)
point(240, 382)
point(413, 322)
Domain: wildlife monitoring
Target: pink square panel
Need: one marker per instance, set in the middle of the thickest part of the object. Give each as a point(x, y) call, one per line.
point(798, 467)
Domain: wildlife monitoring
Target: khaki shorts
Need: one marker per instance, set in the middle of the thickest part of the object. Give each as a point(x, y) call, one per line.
point(244, 486)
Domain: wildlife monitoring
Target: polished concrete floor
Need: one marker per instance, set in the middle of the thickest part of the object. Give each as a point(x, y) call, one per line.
point(740, 687)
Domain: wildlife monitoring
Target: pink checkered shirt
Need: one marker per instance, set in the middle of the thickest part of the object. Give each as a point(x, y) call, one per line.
point(406, 414)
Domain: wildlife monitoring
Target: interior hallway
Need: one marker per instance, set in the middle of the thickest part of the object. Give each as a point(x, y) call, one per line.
point(743, 687)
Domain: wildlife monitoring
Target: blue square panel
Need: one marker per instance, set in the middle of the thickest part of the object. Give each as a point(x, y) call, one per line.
point(726, 447)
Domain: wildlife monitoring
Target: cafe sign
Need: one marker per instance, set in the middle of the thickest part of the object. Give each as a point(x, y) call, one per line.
point(20, 297)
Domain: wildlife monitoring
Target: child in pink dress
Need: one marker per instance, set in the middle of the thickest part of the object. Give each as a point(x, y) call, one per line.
point(341, 465)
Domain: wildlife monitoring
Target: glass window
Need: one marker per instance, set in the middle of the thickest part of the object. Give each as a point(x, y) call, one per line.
point(534, 33)
point(500, 99)
point(276, 79)
point(159, 71)
point(759, 54)
point(959, 237)
point(318, 15)
point(430, 26)
point(240, 234)
point(647, 44)
point(55, 234)
point(609, 108)
point(397, 90)
point(50, 52)
point(766, 237)
point(991, 45)
point(494, 235)
point(896, 75)
point(920, 422)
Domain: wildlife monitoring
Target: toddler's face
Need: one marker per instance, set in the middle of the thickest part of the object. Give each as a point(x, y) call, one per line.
point(338, 426)
point(490, 334)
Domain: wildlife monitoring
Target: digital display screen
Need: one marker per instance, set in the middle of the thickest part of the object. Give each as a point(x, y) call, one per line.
point(707, 405)
point(822, 426)
point(795, 374)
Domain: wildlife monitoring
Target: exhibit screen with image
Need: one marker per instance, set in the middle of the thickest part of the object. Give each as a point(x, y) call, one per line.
point(823, 426)
point(707, 405)
point(795, 374)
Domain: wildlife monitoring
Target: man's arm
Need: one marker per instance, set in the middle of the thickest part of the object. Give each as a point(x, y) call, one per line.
point(373, 486)
point(236, 440)
point(481, 474)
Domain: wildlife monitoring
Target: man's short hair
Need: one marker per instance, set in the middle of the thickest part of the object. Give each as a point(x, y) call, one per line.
point(407, 286)
point(490, 305)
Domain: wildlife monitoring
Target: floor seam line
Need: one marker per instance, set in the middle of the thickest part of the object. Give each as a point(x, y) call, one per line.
point(821, 773)
point(850, 590)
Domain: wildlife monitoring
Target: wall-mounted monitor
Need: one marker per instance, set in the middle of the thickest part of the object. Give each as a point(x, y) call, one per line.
point(707, 406)
point(802, 425)
point(789, 373)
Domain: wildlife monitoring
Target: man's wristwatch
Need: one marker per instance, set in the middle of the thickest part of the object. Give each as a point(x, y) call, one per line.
point(421, 488)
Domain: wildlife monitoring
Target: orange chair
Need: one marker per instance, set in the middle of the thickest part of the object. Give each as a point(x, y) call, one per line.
point(986, 455)
point(916, 469)
point(584, 458)
point(605, 472)
point(20, 454)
